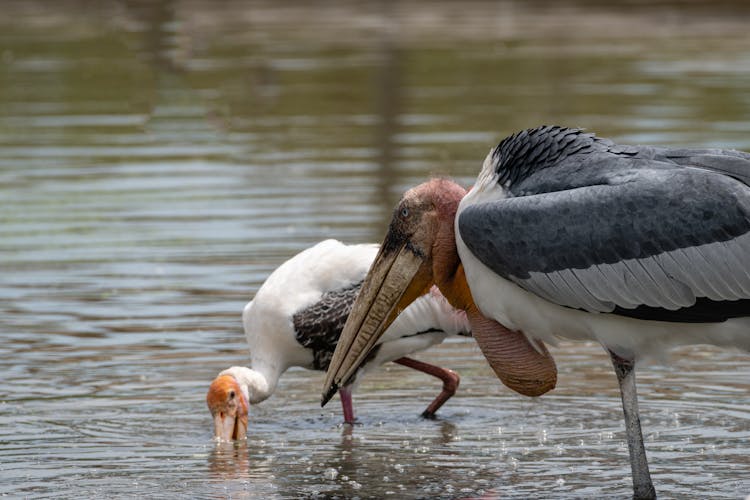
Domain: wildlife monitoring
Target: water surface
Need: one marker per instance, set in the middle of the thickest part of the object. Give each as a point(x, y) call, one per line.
point(158, 161)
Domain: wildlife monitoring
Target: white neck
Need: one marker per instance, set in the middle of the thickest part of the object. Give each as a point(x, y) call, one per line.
point(255, 385)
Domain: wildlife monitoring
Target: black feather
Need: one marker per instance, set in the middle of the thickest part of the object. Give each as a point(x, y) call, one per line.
point(705, 310)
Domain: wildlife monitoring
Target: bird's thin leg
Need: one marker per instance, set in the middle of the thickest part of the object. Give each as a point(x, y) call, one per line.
point(643, 488)
point(345, 393)
point(449, 377)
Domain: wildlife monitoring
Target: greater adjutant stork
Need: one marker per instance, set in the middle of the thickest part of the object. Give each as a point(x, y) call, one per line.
point(565, 234)
point(295, 319)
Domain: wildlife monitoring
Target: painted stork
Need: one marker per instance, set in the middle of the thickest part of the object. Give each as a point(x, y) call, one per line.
point(296, 318)
point(569, 235)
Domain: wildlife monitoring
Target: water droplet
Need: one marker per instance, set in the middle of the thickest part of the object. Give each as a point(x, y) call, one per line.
point(560, 482)
point(355, 485)
point(330, 473)
point(542, 436)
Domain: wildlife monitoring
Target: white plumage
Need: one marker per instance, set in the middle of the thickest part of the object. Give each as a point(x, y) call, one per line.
point(301, 282)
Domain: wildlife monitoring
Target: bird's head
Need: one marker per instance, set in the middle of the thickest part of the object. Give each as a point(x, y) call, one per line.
point(229, 408)
point(418, 252)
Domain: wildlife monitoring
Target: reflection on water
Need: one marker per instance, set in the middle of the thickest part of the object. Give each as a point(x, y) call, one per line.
point(231, 461)
point(159, 159)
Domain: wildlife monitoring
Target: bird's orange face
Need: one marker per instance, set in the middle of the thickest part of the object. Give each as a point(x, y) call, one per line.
point(228, 407)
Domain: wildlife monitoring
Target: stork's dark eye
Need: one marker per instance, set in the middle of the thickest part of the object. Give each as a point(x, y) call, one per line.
point(404, 212)
point(231, 394)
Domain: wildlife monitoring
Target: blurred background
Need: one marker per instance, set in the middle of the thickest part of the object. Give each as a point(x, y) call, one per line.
point(158, 159)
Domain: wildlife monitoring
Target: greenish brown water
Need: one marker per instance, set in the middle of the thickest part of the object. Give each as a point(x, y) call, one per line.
point(159, 159)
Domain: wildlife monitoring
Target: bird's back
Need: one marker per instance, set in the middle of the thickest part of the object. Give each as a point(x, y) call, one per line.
point(550, 159)
point(295, 285)
point(297, 316)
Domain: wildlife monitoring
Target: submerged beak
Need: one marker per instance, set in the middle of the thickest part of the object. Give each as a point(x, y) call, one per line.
point(228, 407)
point(229, 427)
point(224, 426)
point(393, 282)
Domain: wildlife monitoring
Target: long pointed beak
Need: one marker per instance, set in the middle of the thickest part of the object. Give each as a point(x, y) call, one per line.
point(390, 285)
point(228, 427)
point(224, 426)
point(240, 426)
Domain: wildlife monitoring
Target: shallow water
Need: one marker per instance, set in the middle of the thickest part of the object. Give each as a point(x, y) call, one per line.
point(158, 161)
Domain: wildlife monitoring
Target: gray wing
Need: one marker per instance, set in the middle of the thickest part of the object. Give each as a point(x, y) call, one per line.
point(733, 163)
point(654, 238)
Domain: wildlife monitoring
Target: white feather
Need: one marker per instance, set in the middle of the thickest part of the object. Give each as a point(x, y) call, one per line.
point(299, 283)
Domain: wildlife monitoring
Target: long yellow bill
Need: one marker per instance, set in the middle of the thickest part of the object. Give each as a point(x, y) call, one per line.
point(385, 291)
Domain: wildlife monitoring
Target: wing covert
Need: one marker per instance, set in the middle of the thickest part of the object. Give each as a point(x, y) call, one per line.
point(658, 238)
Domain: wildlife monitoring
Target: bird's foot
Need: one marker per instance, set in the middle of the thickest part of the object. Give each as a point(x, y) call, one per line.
point(429, 415)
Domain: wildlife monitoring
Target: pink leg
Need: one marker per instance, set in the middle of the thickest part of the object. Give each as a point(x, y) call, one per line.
point(449, 377)
point(346, 404)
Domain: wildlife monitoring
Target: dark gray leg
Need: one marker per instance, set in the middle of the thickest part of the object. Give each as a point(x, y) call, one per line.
point(643, 488)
